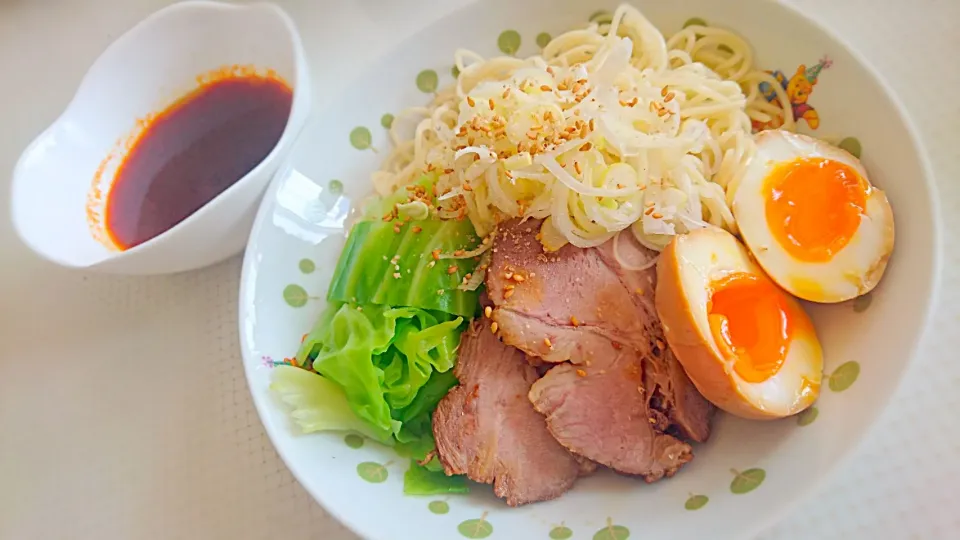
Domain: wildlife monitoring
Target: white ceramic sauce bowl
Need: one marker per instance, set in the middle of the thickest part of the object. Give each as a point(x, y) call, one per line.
point(144, 71)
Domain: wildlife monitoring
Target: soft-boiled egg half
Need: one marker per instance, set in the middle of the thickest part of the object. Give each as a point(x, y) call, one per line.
point(810, 216)
point(747, 345)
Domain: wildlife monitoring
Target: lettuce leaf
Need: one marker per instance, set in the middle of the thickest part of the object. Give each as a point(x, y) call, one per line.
point(380, 265)
point(422, 481)
point(382, 358)
point(317, 404)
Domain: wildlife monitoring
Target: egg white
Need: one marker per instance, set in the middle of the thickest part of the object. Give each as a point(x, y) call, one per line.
point(854, 270)
point(685, 272)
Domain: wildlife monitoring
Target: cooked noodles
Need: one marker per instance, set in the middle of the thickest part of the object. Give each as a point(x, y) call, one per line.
point(610, 128)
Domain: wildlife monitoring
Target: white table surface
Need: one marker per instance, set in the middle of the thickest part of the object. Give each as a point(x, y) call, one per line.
point(124, 411)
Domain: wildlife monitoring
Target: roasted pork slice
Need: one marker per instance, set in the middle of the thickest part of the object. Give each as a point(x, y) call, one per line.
point(672, 395)
point(579, 299)
point(601, 413)
point(592, 307)
point(487, 428)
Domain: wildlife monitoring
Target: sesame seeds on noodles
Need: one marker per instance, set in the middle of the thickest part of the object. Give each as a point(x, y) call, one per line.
point(604, 124)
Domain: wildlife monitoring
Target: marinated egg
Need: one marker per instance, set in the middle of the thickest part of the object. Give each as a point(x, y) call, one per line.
point(808, 213)
point(748, 346)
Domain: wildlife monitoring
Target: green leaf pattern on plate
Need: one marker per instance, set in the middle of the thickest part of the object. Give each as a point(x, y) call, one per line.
point(808, 416)
point(695, 21)
point(476, 528)
point(455, 71)
point(696, 502)
point(509, 41)
point(295, 296)
point(306, 266)
point(360, 138)
point(374, 473)
point(612, 532)
point(543, 39)
point(852, 145)
point(438, 507)
point(746, 481)
point(386, 120)
point(844, 376)
point(560, 533)
point(353, 440)
point(862, 302)
point(427, 81)
point(335, 187)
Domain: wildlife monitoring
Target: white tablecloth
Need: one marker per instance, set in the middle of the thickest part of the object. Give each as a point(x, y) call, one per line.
point(124, 412)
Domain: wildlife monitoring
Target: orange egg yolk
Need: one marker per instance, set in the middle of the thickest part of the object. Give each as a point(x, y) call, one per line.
point(814, 206)
point(752, 323)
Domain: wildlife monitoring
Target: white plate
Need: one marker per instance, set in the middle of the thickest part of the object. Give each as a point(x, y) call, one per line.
point(302, 219)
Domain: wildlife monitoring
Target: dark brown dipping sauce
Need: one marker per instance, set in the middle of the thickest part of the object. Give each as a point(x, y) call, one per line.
point(193, 151)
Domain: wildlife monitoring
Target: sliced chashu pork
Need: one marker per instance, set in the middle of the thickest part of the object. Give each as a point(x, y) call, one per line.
point(487, 428)
point(600, 413)
point(588, 307)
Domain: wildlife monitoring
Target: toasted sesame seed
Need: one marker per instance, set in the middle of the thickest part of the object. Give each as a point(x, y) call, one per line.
point(396, 228)
point(471, 102)
point(508, 275)
point(668, 98)
point(466, 187)
point(494, 326)
point(657, 215)
point(448, 171)
point(487, 311)
point(532, 135)
point(562, 87)
point(506, 93)
point(508, 293)
point(638, 290)
point(546, 341)
point(652, 420)
point(545, 88)
point(663, 91)
point(649, 211)
point(436, 254)
point(576, 166)
point(416, 229)
point(586, 147)
point(581, 373)
point(519, 278)
point(452, 269)
point(491, 103)
point(396, 275)
point(574, 321)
